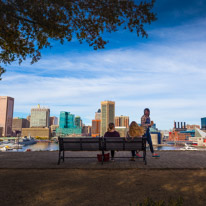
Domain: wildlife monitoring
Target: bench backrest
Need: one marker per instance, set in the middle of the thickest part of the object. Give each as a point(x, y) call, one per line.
point(80, 144)
point(95, 144)
point(122, 144)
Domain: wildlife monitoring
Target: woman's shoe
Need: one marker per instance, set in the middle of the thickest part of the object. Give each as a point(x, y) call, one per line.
point(138, 155)
point(155, 155)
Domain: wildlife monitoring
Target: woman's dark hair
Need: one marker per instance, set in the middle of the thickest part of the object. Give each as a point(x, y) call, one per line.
point(146, 109)
point(111, 126)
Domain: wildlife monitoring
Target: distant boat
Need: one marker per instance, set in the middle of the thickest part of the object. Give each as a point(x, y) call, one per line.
point(187, 147)
point(27, 141)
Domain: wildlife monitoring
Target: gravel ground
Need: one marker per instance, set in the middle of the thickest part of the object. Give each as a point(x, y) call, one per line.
point(63, 187)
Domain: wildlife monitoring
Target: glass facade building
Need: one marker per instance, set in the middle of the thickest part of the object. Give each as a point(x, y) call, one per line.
point(203, 123)
point(67, 124)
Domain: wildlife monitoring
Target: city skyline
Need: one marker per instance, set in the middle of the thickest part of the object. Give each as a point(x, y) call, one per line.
point(82, 118)
point(165, 72)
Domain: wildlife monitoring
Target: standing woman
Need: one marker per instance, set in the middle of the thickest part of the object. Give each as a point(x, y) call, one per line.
point(112, 133)
point(146, 123)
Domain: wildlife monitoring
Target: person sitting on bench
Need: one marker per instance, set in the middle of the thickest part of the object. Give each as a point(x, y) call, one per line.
point(135, 131)
point(112, 133)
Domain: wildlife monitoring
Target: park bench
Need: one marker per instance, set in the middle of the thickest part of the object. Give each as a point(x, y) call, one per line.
point(100, 144)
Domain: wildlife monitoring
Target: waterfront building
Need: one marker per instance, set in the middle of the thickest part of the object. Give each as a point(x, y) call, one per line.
point(98, 114)
point(192, 127)
point(6, 115)
point(40, 117)
point(67, 125)
point(53, 121)
point(53, 130)
point(107, 115)
point(96, 124)
point(122, 121)
point(36, 132)
point(200, 137)
point(18, 124)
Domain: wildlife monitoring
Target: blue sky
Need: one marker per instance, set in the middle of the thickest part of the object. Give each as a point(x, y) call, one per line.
point(166, 72)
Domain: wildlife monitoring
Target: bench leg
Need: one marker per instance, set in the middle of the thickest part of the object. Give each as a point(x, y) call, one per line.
point(63, 156)
point(102, 157)
point(144, 157)
point(59, 157)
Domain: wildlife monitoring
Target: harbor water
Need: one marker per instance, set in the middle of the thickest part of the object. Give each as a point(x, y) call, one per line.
point(53, 146)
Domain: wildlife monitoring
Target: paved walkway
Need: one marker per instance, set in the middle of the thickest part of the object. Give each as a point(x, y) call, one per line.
point(167, 160)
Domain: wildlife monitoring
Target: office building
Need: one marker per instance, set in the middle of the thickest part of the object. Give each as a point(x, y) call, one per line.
point(40, 117)
point(18, 124)
point(1, 131)
point(36, 132)
point(122, 131)
point(53, 121)
point(107, 115)
point(67, 125)
point(96, 124)
point(98, 114)
point(203, 123)
point(122, 121)
point(6, 114)
point(78, 121)
point(86, 130)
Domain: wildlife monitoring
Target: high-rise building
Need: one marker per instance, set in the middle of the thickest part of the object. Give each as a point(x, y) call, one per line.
point(78, 121)
point(96, 124)
point(40, 117)
point(122, 121)
point(107, 116)
point(98, 114)
point(18, 124)
point(67, 125)
point(203, 123)
point(53, 121)
point(6, 114)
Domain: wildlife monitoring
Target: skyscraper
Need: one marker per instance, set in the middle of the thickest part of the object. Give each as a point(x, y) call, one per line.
point(98, 114)
point(122, 121)
point(96, 124)
point(6, 114)
point(40, 117)
point(107, 116)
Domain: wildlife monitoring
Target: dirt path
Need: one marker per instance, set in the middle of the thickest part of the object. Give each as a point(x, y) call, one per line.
point(99, 187)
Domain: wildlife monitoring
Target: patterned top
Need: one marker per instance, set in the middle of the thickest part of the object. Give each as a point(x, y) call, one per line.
point(145, 121)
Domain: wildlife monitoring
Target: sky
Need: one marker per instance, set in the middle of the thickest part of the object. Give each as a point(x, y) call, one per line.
point(165, 72)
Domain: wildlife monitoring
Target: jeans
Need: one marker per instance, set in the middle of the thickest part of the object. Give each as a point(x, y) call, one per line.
point(149, 140)
point(133, 153)
point(112, 153)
